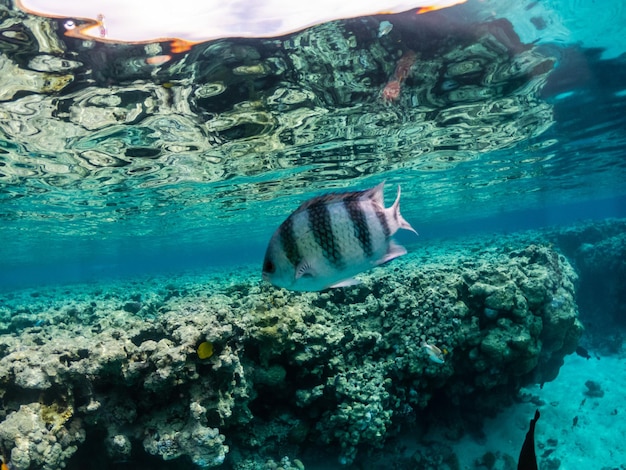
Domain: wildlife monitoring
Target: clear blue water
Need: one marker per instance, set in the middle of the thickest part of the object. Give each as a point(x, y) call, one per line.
point(509, 116)
point(117, 167)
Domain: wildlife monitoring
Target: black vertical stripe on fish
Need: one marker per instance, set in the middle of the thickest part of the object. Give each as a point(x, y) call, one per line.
point(289, 243)
point(380, 214)
point(321, 225)
point(359, 224)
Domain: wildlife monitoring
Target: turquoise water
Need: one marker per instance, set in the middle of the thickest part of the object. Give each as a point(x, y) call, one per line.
point(109, 163)
point(115, 169)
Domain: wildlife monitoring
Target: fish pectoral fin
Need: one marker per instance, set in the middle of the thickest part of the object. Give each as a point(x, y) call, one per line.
point(394, 251)
point(346, 283)
point(304, 269)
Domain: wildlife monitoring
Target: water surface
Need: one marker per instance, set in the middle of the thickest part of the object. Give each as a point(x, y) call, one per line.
point(109, 163)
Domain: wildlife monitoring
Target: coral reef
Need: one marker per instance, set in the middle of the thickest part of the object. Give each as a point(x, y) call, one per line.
point(288, 373)
point(594, 389)
point(598, 252)
point(41, 436)
point(204, 445)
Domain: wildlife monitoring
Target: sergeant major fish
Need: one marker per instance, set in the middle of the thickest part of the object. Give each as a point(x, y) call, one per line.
point(331, 238)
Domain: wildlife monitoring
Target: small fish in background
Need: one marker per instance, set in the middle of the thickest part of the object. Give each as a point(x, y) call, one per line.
point(527, 457)
point(384, 28)
point(392, 89)
point(582, 352)
point(434, 353)
point(329, 239)
point(205, 350)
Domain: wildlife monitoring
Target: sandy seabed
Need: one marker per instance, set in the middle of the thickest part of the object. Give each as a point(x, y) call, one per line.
point(577, 430)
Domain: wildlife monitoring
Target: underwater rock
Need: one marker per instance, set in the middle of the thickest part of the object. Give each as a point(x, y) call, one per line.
point(594, 389)
point(202, 444)
point(341, 369)
point(40, 437)
point(437, 456)
point(172, 434)
point(598, 251)
point(273, 376)
point(118, 447)
point(132, 307)
point(32, 378)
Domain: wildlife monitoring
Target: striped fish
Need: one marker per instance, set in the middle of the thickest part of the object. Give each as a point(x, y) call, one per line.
point(331, 238)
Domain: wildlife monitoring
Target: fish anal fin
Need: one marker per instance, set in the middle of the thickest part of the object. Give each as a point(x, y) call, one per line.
point(394, 251)
point(345, 283)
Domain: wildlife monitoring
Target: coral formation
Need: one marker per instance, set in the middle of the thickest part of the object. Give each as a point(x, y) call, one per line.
point(598, 251)
point(40, 436)
point(594, 390)
point(288, 372)
point(191, 437)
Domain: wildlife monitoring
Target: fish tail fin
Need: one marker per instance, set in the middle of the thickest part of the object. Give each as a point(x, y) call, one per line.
point(397, 220)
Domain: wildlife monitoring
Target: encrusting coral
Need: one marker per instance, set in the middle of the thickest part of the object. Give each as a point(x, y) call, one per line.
point(40, 437)
point(342, 369)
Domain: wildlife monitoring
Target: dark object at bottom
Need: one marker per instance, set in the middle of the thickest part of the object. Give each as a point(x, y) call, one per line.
point(582, 352)
point(527, 458)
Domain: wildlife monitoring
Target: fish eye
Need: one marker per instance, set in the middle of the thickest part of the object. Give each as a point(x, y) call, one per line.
point(268, 266)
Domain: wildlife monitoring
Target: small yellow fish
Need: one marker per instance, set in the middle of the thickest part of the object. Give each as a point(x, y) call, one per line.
point(205, 350)
point(434, 353)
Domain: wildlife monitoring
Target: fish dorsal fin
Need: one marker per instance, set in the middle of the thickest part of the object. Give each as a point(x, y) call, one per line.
point(375, 194)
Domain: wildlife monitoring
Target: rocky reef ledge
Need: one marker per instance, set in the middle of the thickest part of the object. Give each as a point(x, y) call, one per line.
point(200, 371)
